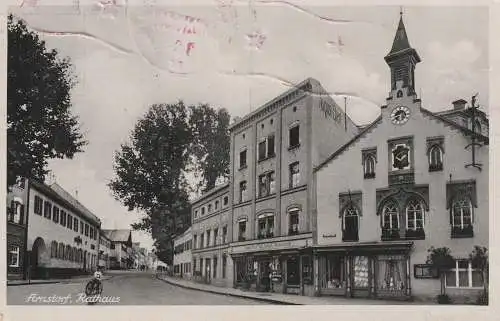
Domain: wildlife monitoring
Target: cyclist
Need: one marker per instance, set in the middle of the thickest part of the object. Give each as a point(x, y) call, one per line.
point(94, 286)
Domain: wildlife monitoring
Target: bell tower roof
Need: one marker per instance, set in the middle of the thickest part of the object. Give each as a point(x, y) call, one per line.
point(401, 44)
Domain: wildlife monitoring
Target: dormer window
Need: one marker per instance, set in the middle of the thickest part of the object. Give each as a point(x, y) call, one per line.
point(369, 159)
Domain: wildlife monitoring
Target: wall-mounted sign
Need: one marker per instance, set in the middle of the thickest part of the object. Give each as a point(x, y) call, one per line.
point(329, 235)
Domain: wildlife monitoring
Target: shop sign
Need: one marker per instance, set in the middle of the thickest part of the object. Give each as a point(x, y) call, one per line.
point(270, 246)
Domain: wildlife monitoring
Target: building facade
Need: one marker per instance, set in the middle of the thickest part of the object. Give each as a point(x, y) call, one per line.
point(410, 181)
point(120, 248)
point(273, 152)
point(182, 265)
point(211, 220)
point(62, 235)
point(104, 251)
point(16, 229)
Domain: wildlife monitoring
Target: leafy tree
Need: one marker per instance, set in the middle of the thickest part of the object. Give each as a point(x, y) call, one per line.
point(479, 259)
point(39, 121)
point(441, 260)
point(150, 170)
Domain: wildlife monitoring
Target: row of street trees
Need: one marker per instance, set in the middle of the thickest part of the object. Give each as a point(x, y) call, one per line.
point(170, 141)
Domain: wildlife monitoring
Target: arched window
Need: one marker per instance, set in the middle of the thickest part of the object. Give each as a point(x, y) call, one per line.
point(462, 213)
point(435, 158)
point(390, 216)
point(350, 223)
point(415, 215)
point(369, 166)
point(53, 249)
point(67, 253)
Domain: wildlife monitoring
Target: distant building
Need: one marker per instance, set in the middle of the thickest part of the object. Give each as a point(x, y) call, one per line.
point(62, 234)
point(104, 251)
point(182, 255)
point(210, 230)
point(121, 248)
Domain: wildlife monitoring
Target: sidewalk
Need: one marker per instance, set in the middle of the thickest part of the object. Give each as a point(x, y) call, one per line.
point(52, 281)
point(278, 298)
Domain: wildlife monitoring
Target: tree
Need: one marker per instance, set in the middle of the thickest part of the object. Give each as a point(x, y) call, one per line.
point(479, 259)
point(150, 170)
point(441, 260)
point(39, 121)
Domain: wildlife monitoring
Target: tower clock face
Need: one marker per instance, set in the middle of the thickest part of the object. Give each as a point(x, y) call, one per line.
point(400, 115)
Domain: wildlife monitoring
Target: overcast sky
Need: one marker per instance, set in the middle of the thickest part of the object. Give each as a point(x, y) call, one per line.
point(238, 58)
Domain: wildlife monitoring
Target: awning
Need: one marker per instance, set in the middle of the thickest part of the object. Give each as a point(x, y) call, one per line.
point(372, 247)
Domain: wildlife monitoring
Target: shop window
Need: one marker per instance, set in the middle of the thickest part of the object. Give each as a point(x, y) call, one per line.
point(294, 137)
point(293, 221)
point(350, 223)
point(47, 210)
point(243, 159)
point(243, 191)
point(390, 221)
point(294, 175)
point(38, 205)
point(242, 230)
point(13, 256)
point(307, 269)
point(391, 275)
point(464, 275)
point(266, 184)
point(292, 271)
point(265, 226)
point(462, 218)
point(415, 216)
point(332, 272)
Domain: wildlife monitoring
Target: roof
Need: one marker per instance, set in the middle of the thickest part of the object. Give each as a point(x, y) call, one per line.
point(118, 235)
point(210, 192)
point(401, 44)
point(57, 193)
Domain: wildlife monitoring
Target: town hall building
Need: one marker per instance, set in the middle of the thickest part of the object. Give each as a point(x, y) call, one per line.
point(411, 180)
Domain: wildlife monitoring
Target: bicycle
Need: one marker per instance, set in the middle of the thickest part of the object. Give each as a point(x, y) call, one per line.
point(94, 287)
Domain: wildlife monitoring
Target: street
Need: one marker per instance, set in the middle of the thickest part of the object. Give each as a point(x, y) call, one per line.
point(124, 288)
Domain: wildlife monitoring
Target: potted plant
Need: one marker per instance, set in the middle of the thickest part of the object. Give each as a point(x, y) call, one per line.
point(479, 260)
point(441, 260)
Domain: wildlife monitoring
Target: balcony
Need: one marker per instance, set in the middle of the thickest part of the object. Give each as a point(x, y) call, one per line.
point(418, 234)
point(389, 234)
point(458, 232)
point(350, 236)
point(435, 167)
point(369, 175)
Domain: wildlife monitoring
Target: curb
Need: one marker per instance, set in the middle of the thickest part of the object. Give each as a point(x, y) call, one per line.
point(52, 282)
point(229, 294)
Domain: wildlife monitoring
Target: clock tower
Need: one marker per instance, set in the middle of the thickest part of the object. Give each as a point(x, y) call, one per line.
point(402, 60)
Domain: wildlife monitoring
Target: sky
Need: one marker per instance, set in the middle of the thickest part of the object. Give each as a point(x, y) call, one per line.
point(238, 57)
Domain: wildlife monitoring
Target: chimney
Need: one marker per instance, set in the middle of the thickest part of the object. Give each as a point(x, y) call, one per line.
point(459, 104)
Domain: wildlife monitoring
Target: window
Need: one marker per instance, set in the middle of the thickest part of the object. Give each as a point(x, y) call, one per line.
point(226, 200)
point(462, 218)
point(242, 230)
point(209, 208)
point(16, 212)
point(47, 210)
point(38, 205)
point(216, 235)
point(63, 218)
point(86, 229)
point(243, 191)
point(91, 232)
point(424, 271)
point(399, 94)
point(224, 265)
point(266, 184)
point(215, 267)
point(208, 238)
point(195, 239)
point(202, 240)
point(112, 246)
point(75, 224)
point(265, 226)
point(293, 221)
point(435, 158)
point(21, 182)
point(262, 150)
point(224, 234)
point(294, 175)
point(390, 221)
point(350, 224)
point(70, 222)
point(414, 215)
point(81, 227)
point(196, 214)
point(203, 210)
point(294, 136)
point(464, 275)
point(216, 205)
point(13, 256)
point(270, 146)
point(55, 214)
point(369, 166)
point(60, 252)
point(266, 148)
point(243, 158)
